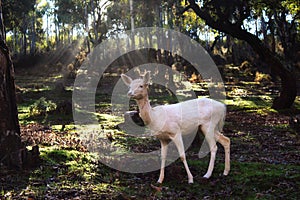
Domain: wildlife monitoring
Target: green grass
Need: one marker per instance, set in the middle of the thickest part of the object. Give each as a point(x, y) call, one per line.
point(65, 173)
point(243, 182)
point(259, 104)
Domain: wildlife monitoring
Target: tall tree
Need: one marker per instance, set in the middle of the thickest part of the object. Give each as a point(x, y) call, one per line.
point(10, 142)
point(13, 153)
point(18, 19)
point(99, 27)
point(228, 16)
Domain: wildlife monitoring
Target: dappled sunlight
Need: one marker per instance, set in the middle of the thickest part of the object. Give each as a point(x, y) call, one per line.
point(82, 134)
point(261, 137)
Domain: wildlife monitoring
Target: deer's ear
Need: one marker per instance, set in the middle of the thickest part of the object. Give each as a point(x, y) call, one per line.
point(146, 78)
point(126, 79)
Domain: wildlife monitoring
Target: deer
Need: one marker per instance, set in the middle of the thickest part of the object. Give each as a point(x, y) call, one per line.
point(172, 121)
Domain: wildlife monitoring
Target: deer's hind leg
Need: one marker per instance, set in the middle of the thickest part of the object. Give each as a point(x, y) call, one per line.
point(211, 140)
point(225, 142)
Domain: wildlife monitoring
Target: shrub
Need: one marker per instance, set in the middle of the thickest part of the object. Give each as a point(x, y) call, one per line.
point(42, 107)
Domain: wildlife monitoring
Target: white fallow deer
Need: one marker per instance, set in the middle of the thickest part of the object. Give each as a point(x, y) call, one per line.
point(170, 122)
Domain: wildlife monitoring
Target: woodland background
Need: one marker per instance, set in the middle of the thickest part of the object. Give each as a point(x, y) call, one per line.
point(255, 45)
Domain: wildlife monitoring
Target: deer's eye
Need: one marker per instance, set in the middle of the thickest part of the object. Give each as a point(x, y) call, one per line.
point(141, 86)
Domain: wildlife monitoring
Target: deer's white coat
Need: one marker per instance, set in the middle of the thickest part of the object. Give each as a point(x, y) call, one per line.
point(170, 122)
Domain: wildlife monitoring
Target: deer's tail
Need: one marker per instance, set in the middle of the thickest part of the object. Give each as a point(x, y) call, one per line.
point(222, 120)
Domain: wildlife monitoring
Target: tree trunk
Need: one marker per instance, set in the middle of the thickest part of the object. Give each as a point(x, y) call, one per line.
point(33, 32)
point(288, 81)
point(12, 153)
point(263, 28)
point(10, 142)
point(24, 45)
point(8, 114)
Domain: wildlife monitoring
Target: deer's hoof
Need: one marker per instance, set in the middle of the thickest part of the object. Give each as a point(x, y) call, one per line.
point(226, 172)
point(207, 176)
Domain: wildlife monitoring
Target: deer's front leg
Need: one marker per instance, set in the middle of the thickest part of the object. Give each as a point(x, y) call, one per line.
point(179, 144)
point(164, 150)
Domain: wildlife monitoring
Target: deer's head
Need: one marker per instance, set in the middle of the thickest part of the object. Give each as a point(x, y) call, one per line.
point(138, 88)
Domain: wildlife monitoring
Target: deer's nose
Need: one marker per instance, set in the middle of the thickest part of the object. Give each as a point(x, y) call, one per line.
point(130, 93)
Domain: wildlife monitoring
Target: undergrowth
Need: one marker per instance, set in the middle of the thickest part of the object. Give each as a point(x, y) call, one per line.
point(264, 151)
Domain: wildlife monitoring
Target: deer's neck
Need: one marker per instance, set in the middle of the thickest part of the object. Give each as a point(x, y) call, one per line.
point(145, 110)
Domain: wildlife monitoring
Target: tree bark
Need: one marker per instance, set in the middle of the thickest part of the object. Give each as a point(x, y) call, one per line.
point(33, 38)
point(10, 142)
point(13, 154)
point(288, 81)
point(8, 114)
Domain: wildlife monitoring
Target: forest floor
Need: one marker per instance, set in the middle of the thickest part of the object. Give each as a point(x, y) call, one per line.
point(265, 147)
